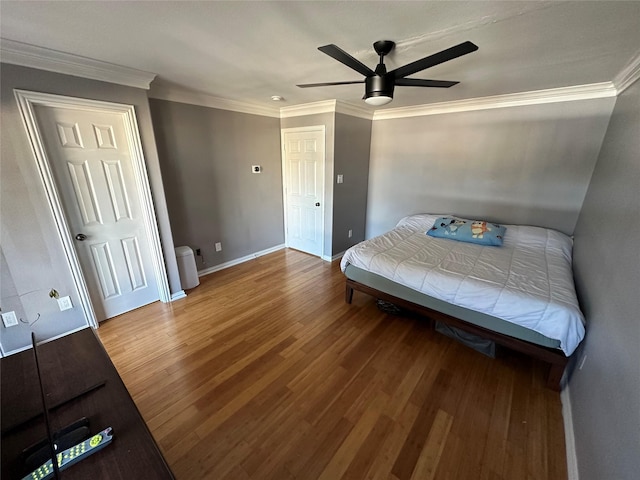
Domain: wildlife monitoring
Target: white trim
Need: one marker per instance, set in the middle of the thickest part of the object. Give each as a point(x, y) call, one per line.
point(334, 257)
point(553, 95)
point(202, 99)
point(283, 132)
point(26, 55)
point(148, 210)
point(26, 102)
point(173, 94)
point(178, 295)
point(22, 349)
point(327, 106)
point(569, 436)
point(628, 75)
point(237, 261)
point(29, 346)
point(312, 128)
point(354, 111)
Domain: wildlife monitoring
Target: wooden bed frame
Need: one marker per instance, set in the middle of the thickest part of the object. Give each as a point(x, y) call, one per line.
point(555, 358)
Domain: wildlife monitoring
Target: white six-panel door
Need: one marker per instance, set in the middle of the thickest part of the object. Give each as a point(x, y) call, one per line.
point(303, 160)
point(89, 156)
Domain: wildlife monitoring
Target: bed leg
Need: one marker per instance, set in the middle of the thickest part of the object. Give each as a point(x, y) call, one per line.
point(348, 293)
point(555, 375)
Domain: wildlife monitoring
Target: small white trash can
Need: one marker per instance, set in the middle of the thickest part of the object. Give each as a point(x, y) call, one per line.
point(187, 268)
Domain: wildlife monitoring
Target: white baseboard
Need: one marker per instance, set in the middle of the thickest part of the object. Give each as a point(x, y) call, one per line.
point(237, 261)
point(335, 257)
point(569, 436)
point(27, 347)
point(178, 295)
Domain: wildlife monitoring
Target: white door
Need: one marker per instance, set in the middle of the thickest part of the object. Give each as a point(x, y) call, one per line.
point(304, 187)
point(90, 157)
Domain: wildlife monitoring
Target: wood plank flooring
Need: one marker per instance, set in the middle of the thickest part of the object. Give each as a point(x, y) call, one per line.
point(264, 372)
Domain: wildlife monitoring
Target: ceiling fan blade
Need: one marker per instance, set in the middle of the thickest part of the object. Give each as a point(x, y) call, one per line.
point(435, 59)
point(327, 84)
point(418, 82)
point(343, 57)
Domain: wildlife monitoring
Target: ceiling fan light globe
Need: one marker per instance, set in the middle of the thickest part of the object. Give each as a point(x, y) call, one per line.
point(378, 101)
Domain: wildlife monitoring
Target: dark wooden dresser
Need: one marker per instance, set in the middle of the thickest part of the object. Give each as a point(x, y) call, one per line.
point(70, 366)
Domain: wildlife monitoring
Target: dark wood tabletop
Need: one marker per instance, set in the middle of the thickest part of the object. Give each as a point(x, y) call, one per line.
point(70, 366)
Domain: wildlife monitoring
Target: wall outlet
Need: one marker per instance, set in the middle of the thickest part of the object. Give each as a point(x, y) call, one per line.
point(340, 179)
point(256, 169)
point(350, 234)
point(9, 319)
point(218, 247)
point(64, 303)
point(198, 252)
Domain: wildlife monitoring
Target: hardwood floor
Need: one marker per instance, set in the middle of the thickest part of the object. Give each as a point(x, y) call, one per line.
point(264, 372)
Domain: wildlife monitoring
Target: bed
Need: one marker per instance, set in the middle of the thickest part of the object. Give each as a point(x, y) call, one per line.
point(520, 295)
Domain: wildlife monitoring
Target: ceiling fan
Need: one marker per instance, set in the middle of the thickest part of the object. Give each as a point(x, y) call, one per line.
point(379, 84)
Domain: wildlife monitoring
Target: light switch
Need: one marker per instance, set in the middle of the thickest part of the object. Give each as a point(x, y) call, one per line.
point(340, 179)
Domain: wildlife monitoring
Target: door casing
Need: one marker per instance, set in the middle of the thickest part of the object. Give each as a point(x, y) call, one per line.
point(26, 102)
point(285, 178)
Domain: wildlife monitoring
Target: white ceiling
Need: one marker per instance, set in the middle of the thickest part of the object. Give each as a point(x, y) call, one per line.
point(249, 51)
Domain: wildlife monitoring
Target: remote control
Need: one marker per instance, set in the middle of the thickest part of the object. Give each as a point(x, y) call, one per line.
point(73, 455)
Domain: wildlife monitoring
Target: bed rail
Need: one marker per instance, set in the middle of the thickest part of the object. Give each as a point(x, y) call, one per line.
point(556, 359)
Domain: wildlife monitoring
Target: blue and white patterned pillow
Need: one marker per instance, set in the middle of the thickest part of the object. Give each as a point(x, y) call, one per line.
point(472, 231)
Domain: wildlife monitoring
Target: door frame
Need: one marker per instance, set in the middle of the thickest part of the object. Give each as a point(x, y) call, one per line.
point(27, 100)
point(285, 172)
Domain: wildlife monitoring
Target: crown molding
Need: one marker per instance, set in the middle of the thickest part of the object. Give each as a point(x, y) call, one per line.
point(628, 75)
point(326, 106)
point(354, 111)
point(553, 95)
point(23, 54)
point(27, 55)
point(204, 100)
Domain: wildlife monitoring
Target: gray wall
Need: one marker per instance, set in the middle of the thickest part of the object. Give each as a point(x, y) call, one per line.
point(329, 121)
point(605, 393)
point(33, 257)
point(351, 159)
point(206, 156)
point(526, 165)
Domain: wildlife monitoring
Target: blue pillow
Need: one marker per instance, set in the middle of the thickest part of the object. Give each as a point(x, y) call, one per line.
point(472, 231)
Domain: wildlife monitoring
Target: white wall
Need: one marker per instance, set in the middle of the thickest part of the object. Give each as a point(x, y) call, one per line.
point(521, 165)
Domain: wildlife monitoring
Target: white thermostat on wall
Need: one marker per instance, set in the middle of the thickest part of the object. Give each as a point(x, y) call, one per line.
point(256, 168)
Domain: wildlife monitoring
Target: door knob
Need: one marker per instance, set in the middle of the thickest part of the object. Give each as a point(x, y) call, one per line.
point(81, 237)
point(317, 204)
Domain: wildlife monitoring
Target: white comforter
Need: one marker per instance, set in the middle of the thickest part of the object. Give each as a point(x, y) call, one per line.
point(527, 281)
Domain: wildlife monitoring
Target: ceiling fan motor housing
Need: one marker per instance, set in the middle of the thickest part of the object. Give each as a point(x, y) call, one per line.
point(379, 86)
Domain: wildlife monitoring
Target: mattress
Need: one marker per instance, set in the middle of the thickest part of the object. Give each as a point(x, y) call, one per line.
point(527, 282)
point(471, 316)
